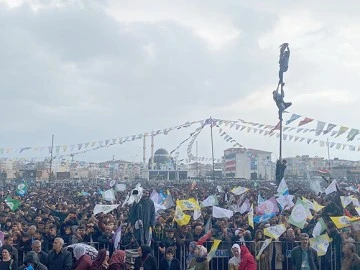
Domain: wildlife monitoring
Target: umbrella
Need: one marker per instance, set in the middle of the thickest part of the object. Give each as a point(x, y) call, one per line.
point(89, 250)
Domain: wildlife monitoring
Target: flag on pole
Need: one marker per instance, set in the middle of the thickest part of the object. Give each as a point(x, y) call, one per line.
point(275, 231)
point(219, 212)
point(320, 244)
point(181, 218)
point(264, 245)
point(251, 216)
point(260, 200)
point(189, 204)
point(213, 249)
point(299, 214)
point(267, 207)
point(319, 228)
point(21, 189)
point(104, 208)
point(211, 200)
point(345, 200)
point(341, 221)
point(239, 190)
point(331, 188)
point(108, 195)
point(12, 203)
point(169, 202)
point(317, 207)
point(283, 188)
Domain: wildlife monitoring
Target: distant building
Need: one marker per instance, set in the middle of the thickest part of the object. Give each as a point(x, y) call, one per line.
point(248, 164)
point(163, 167)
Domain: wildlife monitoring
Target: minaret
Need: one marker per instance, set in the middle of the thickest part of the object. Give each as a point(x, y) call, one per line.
point(152, 150)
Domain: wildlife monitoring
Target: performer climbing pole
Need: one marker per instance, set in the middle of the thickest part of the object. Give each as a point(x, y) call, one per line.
point(281, 105)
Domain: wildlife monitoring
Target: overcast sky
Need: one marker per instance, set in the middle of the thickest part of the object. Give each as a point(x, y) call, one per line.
point(95, 70)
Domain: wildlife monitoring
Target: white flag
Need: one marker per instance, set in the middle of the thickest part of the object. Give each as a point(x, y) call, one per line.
point(210, 201)
point(282, 188)
point(331, 188)
point(286, 201)
point(159, 207)
point(219, 212)
point(239, 190)
point(345, 200)
point(120, 187)
point(104, 208)
point(109, 195)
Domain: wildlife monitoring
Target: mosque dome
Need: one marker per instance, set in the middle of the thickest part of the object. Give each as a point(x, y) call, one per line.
point(162, 160)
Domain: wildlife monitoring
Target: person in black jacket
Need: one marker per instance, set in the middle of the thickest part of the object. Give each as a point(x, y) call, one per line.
point(169, 262)
point(43, 256)
point(146, 260)
point(59, 258)
point(303, 256)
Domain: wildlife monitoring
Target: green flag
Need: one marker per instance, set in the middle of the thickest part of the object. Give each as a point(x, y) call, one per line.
point(299, 214)
point(319, 228)
point(12, 203)
point(21, 189)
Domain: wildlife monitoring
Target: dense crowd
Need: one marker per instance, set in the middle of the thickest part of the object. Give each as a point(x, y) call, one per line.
point(53, 216)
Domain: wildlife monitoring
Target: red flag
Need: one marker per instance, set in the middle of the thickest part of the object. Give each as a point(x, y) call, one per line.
point(305, 121)
point(347, 213)
point(203, 239)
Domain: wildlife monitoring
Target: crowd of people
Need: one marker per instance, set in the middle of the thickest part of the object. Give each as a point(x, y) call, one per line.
point(46, 230)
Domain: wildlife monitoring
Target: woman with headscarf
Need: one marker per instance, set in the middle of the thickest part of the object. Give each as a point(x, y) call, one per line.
point(200, 262)
point(234, 262)
point(145, 261)
point(101, 260)
point(7, 263)
point(83, 261)
point(191, 255)
point(117, 261)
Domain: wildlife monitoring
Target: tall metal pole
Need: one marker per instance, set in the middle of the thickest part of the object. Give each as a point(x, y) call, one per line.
point(197, 161)
point(212, 149)
point(51, 157)
point(328, 148)
point(281, 129)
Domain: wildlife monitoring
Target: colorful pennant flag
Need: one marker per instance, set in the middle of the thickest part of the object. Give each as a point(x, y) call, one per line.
point(305, 121)
point(189, 204)
point(320, 244)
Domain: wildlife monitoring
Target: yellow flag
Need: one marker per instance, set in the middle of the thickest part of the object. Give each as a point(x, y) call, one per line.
point(320, 243)
point(251, 216)
point(239, 190)
point(341, 222)
point(181, 218)
point(189, 204)
point(275, 231)
point(317, 207)
point(214, 247)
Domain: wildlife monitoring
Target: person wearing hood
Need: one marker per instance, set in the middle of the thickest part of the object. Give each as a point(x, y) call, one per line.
point(247, 260)
point(31, 261)
point(145, 261)
point(83, 261)
point(200, 262)
point(101, 260)
point(118, 260)
point(234, 262)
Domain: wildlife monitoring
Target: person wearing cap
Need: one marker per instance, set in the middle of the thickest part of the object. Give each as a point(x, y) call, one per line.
point(31, 259)
point(169, 262)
